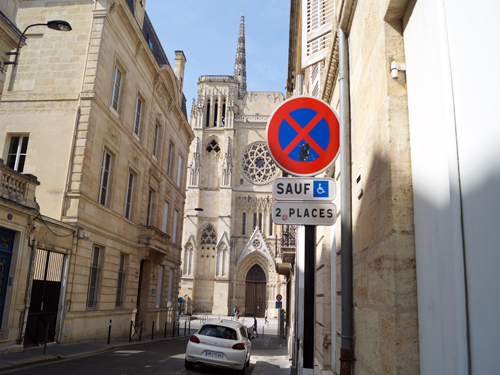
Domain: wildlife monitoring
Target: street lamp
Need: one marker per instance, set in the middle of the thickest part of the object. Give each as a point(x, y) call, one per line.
point(54, 25)
point(193, 209)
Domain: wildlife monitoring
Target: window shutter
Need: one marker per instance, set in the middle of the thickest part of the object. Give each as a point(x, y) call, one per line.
point(316, 30)
point(315, 79)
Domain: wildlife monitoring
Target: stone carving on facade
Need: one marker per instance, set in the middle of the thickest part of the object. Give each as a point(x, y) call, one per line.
point(257, 244)
point(159, 118)
point(254, 203)
point(194, 168)
point(113, 133)
point(227, 164)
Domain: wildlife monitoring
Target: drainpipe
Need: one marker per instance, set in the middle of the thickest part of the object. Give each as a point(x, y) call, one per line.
point(347, 332)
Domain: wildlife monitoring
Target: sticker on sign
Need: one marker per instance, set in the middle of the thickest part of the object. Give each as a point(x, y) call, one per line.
point(304, 213)
point(286, 188)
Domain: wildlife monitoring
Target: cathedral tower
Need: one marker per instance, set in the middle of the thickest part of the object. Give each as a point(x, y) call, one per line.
point(229, 249)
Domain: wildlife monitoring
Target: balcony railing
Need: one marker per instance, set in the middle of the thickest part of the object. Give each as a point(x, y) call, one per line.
point(217, 78)
point(17, 187)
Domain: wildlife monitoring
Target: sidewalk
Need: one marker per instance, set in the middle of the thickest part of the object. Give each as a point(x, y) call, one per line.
point(277, 364)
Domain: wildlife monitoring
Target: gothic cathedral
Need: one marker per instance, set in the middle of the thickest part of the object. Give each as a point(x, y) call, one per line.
point(230, 249)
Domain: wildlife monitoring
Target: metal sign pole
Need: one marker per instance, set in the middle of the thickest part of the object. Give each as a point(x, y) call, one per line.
point(309, 300)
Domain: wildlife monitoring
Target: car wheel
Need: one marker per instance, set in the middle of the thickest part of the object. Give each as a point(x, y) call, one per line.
point(248, 362)
point(188, 365)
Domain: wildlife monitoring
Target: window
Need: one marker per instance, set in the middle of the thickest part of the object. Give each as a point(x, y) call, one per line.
point(317, 20)
point(93, 277)
point(260, 221)
point(270, 224)
point(150, 207)
point(219, 332)
point(170, 282)
point(169, 159)
point(121, 281)
point(17, 153)
point(115, 93)
point(244, 223)
point(179, 171)
point(158, 287)
point(165, 217)
point(138, 112)
point(254, 220)
point(174, 231)
point(155, 141)
point(104, 184)
point(130, 190)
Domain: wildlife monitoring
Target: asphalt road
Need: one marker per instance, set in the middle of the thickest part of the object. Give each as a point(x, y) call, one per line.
point(158, 358)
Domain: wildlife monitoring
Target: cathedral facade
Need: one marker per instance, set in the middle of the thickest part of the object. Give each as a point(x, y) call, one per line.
point(230, 249)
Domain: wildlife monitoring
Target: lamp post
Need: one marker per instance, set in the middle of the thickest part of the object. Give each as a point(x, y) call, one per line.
point(54, 25)
point(193, 209)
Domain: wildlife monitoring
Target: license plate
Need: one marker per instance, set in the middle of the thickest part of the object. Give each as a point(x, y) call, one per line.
point(214, 355)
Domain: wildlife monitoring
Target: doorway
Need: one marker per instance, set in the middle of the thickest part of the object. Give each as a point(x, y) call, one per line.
point(255, 292)
point(6, 246)
point(45, 293)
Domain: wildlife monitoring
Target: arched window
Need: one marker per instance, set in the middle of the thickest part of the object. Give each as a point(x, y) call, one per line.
point(270, 224)
point(212, 165)
point(207, 119)
point(254, 220)
point(209, 235)
point(244, 223)
point(260, 222)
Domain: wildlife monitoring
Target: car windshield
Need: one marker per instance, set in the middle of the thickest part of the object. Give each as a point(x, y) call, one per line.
point(218, 331)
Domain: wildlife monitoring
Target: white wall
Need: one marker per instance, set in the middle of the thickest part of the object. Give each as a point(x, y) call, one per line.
point(452, 61)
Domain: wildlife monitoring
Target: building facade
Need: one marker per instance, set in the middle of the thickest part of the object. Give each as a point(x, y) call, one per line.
point(230, 249)
point(98, 115)
point(9, 35)
point(422, 177)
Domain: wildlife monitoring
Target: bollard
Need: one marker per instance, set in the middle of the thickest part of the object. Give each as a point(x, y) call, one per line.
point(189, 329)
point(109, 331)
point(130, 334)
point(173, 330)
point(262, 331)
point(185, 328)
point(178, 325)
point(165, 334)
point(153, 330)
point(140, 333)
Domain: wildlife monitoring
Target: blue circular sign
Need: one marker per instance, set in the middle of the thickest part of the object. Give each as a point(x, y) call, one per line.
point(180, 300)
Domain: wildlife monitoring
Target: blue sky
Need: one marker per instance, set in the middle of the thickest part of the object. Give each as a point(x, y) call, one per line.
point(207, 32)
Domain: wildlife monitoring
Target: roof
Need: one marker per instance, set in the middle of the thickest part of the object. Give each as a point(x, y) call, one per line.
point(225, 322)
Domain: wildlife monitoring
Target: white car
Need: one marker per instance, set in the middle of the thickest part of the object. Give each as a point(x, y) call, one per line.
point(220, 343)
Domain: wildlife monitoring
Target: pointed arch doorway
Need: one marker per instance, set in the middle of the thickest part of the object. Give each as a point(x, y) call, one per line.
point(255, 292)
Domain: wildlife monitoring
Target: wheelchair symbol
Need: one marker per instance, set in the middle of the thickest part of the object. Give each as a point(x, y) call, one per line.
point(321, 190)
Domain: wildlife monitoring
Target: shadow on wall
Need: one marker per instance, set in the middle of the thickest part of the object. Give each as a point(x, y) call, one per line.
point(384, 274)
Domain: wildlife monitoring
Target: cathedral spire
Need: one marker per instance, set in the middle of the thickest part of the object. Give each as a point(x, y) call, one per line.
point(240, 65)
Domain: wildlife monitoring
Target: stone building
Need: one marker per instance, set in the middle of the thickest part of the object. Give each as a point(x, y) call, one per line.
point(230, 249)
point(423, 184)
point(99, 116)
point(9, 35)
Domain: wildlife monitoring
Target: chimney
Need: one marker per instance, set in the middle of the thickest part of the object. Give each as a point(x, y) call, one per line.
point(180, 63)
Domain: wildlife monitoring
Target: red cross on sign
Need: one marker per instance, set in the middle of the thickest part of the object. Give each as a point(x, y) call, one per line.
point(303, 136)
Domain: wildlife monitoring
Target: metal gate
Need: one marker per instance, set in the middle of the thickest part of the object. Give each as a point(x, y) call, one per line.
point(255, 292)
point(42, 315)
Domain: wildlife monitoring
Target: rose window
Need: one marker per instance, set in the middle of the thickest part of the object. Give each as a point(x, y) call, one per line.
point(257, 165)
point(256, 243)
